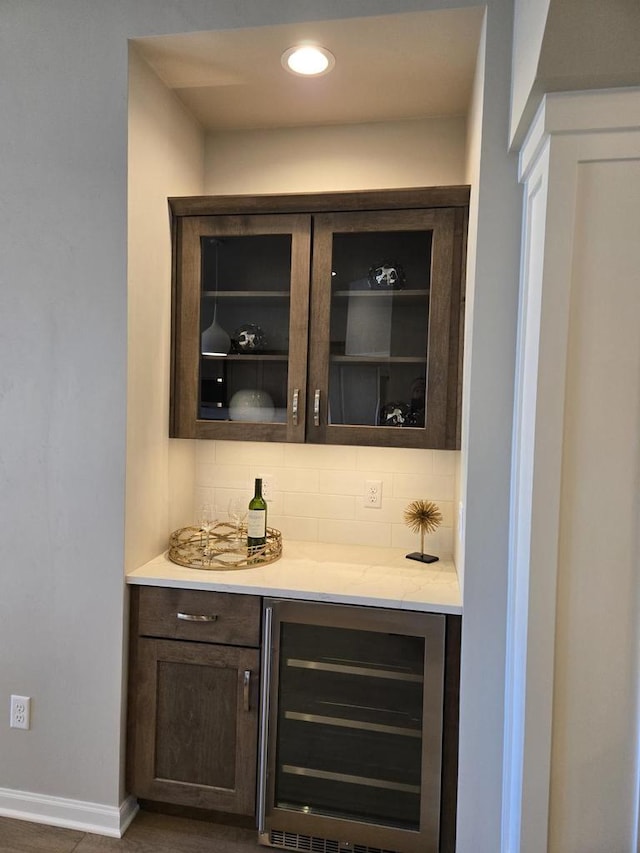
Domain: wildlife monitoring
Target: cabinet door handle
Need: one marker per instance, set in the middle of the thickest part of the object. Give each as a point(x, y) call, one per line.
point(294, 406)
point(316, 407)
point(192, 617)
point(246, 682)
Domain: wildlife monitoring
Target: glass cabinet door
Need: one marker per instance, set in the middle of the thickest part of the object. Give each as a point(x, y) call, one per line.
point(241, 351)
point(381, 322)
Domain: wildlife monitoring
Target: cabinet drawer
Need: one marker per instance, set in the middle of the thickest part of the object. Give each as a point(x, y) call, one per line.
point(207, 617)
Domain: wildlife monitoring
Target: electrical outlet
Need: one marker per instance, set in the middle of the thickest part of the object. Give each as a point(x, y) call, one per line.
point(268, 486)
point(373, 494)
point(20, 712)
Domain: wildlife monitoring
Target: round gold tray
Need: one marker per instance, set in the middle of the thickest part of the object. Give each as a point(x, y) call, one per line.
point(190, 547)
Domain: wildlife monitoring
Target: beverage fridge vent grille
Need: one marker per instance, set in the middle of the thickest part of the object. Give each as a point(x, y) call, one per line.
point(312, 844)
point(295, 841)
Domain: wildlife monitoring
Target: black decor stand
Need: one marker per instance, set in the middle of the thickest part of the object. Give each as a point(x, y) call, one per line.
point(422, 558)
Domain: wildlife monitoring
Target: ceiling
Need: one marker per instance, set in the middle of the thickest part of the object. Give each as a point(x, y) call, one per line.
point(389, 67)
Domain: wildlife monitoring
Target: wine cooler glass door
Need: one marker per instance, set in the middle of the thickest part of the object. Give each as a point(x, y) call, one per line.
point(357, 726)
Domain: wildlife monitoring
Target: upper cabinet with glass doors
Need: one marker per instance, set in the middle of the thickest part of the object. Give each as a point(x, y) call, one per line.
point(333, 318)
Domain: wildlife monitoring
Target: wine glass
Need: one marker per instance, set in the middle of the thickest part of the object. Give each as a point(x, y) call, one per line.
point(207, 520)
point(237, 513)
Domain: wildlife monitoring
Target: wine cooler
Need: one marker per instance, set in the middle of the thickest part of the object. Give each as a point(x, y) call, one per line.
point(351, 729)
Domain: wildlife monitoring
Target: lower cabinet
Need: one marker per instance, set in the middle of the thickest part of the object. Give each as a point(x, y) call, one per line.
point(358, 718)
point(194, 699)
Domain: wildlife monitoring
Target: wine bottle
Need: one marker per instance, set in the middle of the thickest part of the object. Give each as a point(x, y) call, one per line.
point(257, 520)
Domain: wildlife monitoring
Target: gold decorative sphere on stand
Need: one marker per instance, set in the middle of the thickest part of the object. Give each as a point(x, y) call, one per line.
point(422, 517)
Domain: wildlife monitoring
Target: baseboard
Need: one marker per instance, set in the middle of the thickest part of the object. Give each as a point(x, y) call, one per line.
point(70, 814)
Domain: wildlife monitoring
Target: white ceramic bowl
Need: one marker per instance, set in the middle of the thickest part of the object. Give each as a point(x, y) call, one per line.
point(251, 404)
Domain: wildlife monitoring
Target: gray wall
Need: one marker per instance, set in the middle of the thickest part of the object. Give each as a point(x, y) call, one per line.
point(63, 169)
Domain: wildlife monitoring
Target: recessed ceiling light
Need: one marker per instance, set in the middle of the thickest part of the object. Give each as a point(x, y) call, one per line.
point(308, 60)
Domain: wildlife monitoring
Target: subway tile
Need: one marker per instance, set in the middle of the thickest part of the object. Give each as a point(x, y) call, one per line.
point(393, 509)
point(446, 508)
point(202, 496)
point(295, 529)
point(352, 482)
point(319, 506)
point(445, 462)
point(231, 477)
point(204, 474)
point(298, 480)
point(416, 486)
point(439, 543)
point(274, 472)
point(224, 496)
point(354, 532)
point(403, 537)
point(447, 537)
point(320, 456)
point(395, 459)
point(205, 453)
point(389, 512)
point(250, 453)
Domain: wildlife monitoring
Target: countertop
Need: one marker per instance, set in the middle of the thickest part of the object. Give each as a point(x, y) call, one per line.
point(317, 571)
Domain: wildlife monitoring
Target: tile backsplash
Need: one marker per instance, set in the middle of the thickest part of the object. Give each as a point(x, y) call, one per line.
point(318, 491)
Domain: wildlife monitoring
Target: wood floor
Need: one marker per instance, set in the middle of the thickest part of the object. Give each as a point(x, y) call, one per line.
point(149, 833)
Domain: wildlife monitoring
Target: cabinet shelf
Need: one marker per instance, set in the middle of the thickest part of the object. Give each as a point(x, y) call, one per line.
point(246, 357)
point(246, 294)
point(353, 669)
point(377, 359)
point(377, 294)
point(351, 779)
point(348, 723)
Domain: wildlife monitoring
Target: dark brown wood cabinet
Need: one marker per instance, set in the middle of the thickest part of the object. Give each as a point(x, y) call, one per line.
point(333, 318)
point(359, 705)
point(193, 700)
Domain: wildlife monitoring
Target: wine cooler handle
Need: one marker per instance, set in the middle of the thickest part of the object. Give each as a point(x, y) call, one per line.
point(294, 406)
point(264, 716)
point(316, 407)
point(246, 684)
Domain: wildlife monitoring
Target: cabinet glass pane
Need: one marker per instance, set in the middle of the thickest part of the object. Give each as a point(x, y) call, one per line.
point(245, 291)
point(350, 724)
point(379, 328)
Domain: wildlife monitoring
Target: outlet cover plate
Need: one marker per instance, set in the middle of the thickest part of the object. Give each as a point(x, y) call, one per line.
point(373, 494)
point(20, 712)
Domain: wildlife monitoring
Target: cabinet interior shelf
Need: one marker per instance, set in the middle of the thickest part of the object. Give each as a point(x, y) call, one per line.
point(351, 779)
point(246, 357)
point(246, 294)
point(348, 723)
point(354, 669)
point(377, 294)
point(377, 359)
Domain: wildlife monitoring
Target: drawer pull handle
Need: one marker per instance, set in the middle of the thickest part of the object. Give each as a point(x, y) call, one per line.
point(316, 407)
point(192, 617)
point(294, 413)
point(246, 682)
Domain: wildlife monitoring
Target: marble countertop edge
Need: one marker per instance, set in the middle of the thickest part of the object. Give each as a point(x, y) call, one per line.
point(343, 574)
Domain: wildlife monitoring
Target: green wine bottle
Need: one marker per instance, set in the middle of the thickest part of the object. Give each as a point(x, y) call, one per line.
point(257, 521)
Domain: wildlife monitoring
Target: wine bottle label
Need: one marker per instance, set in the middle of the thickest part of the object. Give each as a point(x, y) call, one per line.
point(257, 524)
